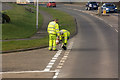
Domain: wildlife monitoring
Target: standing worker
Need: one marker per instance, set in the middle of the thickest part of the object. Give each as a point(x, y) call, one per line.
point(64, 36)
point(53, 31)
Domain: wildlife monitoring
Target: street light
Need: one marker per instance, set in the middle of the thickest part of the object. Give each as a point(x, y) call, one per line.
point(37, 12)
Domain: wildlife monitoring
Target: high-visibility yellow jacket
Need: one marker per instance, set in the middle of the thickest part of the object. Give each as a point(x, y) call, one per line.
point(65, 35)
point(53, 28)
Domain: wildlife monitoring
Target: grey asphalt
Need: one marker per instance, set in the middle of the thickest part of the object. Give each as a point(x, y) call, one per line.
point(112, 19)
point(94, 53)
point(30, 75)
point(95, 49)
point(28, 61)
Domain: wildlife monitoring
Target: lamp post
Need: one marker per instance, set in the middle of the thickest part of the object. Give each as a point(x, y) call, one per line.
point(37, 11)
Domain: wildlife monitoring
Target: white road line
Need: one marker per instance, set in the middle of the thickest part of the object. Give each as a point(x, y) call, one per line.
point(62, 61)
point(75, 9)
point(24, 72)
point(47, 69)
point(51, 63)
point(116, 30)
point(56, 74)
point(101, 19)
point(97, 17)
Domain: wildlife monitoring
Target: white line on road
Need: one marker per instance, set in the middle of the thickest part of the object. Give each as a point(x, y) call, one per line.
point(97, 17)
point(75, 9)
point(24, 72)
point(51, 63)
point(116, 30)
point(62, 61)
point(56, 74)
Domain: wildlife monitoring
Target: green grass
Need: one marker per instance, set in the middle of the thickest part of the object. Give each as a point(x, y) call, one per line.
point(66, 22)
point(22, 23)
point(14, 45)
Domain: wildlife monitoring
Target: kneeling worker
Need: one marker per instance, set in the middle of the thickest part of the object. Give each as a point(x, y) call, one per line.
point(64, 36)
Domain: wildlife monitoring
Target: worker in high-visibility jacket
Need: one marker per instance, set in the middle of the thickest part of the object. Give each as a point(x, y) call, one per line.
point(53, 31)
point(64, 37)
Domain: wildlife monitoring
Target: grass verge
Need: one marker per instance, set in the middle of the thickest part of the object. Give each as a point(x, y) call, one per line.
point(66, 22)
point(14, 45)
point(22, 25)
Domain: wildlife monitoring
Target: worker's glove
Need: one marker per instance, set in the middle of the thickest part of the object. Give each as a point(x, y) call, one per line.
point(65, 43)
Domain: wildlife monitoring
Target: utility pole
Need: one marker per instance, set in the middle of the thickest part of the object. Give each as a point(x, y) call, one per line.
point(101, 2)
point(37, 12)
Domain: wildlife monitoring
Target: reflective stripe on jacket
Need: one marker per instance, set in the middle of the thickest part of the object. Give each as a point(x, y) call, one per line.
point(53, 28)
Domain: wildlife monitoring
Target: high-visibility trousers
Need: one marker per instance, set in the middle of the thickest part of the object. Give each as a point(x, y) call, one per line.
point(52, 41)
point(63, 40)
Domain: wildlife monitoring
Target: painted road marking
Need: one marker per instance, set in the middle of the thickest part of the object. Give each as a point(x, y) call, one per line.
point(62, 61)
point(116, 30)
point(98, 18)
point(52, 62)
point(56, 74)
point(24, 72)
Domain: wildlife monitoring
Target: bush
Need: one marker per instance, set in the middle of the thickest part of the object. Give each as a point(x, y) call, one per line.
point(5, 18)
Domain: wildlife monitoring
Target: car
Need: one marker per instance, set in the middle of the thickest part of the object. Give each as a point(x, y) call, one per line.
point(92, 5)
point(109, 7)
point(51, 4)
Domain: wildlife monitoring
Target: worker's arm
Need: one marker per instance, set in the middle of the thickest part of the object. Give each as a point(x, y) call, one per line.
point(57, 29)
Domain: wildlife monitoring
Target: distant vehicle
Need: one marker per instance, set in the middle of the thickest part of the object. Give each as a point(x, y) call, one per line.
point(92, 5)
point(109, 7)
point(51, 4)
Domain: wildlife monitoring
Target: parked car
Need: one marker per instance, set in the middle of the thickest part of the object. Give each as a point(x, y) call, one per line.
point(109, 7)
point(92, 5)
point(51, 4)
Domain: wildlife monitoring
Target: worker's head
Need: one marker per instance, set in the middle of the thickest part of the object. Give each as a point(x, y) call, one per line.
point(56, 20)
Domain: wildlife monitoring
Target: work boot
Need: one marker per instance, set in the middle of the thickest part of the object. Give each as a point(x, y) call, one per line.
point(65, 48)
point(50, 49)
point(55, 50)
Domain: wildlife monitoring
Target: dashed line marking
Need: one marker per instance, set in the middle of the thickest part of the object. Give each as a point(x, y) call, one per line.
point(97, 17)
point(51, 63)
point(62, 61)
point(47, 69)
point(100, 19)
point(116, 30)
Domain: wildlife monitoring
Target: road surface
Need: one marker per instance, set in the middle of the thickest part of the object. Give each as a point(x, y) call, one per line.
point(94, 53)
point(95, 50)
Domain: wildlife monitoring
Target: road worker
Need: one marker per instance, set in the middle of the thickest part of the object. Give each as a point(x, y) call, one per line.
point(53, 31)
point(64, 36)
